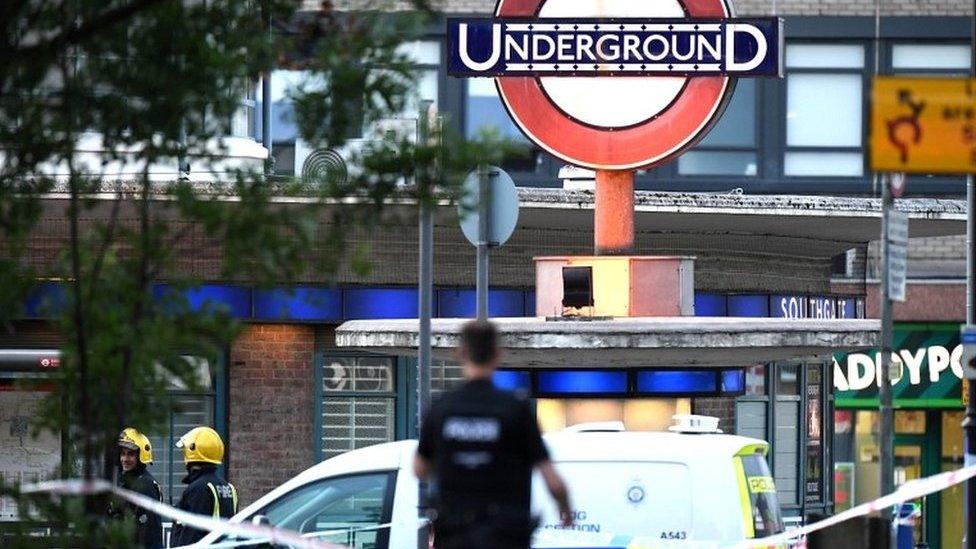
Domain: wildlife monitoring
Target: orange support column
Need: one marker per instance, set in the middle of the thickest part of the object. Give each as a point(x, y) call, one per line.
point(613, 213)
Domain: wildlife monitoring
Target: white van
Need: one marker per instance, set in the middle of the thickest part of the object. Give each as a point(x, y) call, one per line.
point(627, 488)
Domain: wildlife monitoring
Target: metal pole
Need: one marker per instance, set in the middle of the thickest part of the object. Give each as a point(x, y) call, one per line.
point(426, 283)
point(886, 411)
point(266, 105)
point(484, 226)
point(969, 422)
point(266, 117)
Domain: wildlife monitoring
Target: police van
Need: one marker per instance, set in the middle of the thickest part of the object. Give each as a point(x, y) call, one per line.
point(691, 487)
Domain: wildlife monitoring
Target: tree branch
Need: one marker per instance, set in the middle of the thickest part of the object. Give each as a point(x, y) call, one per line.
point(75, 34)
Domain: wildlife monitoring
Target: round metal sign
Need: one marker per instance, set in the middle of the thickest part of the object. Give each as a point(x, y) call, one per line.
point(502, 211)
point(607, 122)
point(897, 181)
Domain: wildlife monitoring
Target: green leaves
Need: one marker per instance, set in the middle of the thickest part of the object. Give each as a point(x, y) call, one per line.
point(101, 102)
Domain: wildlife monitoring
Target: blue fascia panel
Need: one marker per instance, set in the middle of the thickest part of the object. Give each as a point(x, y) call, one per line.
point(233, 300)
point(513, 380)
point(45, 300)
point(733, 381)
point(530, 303)
point(463, 303)
point(299, 303)
point(569, 382)
point(846, 307)
point(709, 304)
point(676, 381)
point(379, 303)
point(748, 305)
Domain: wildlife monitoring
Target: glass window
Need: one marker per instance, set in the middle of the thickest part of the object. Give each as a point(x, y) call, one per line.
point(186, 411)
point(788, 379)
point(698, 162)
point(818, 56)
point(750, 419)
point(756, 380)
point(826, 164)
point(347, 510)
point(26, 458)
point(735, 130)
point(358, 403)
point(786, 458)
point(930, 57)
point(484, 111)
point(824, 111)
point(815, 423)
point(844, 455)
point(737, 127)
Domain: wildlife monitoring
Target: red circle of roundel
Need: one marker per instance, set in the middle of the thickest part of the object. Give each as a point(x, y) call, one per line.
point(674, 129)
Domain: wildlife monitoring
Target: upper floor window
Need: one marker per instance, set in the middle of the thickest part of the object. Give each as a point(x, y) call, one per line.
point(939, 58)
point(290, 150)
point(730, 147)
point(483, 110)
point(824, 110)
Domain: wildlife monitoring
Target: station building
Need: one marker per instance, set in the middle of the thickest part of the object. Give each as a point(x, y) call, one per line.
point(776, 204)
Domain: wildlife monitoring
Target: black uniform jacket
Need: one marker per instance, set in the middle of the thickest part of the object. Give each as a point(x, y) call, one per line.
point(206, 494)
point(149, 527)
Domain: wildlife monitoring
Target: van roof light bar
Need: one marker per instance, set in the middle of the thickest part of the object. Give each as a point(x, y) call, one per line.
point(691, 423)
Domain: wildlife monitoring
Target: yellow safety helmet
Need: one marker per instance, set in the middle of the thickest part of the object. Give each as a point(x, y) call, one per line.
point(134, 440)
point(201, 444)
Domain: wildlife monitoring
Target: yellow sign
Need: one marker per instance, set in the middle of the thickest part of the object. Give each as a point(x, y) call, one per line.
point(965, 392)
point(758, 485)
point(923, 125)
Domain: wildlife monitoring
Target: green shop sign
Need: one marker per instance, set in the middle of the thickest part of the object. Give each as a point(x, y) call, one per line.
point(927, 371)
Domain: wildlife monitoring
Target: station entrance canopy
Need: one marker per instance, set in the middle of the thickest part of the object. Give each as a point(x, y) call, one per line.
point(627, 342)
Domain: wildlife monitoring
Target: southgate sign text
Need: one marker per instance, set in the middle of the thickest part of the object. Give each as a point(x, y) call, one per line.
point(613, 47)
point(614, 84)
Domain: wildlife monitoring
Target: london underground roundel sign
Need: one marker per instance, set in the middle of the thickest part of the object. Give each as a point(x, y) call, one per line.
point(614, 84)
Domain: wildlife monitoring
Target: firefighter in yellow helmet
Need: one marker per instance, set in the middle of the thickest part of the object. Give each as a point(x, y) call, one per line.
point(207, 493)
point(135, 453)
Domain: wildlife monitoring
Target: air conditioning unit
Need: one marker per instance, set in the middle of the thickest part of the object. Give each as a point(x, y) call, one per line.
point(339, 163)
point(577, 179)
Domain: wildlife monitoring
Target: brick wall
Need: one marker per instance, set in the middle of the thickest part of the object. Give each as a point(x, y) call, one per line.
point(721, 407)
point(271, 407)
point(925, 301)
point(931, 257)
point(726, 263)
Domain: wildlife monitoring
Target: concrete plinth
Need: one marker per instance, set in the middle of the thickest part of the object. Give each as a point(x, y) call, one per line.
point(627, 342)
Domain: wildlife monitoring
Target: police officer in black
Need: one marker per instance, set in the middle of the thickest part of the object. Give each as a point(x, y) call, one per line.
point(206, 492)
point(135, 453)
point(479, 445)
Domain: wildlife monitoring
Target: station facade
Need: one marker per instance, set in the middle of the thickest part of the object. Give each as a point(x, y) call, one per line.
point(284, 396)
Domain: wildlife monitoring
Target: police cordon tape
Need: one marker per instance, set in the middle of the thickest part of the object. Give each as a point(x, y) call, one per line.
point(247, 530)
point(912, 489)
